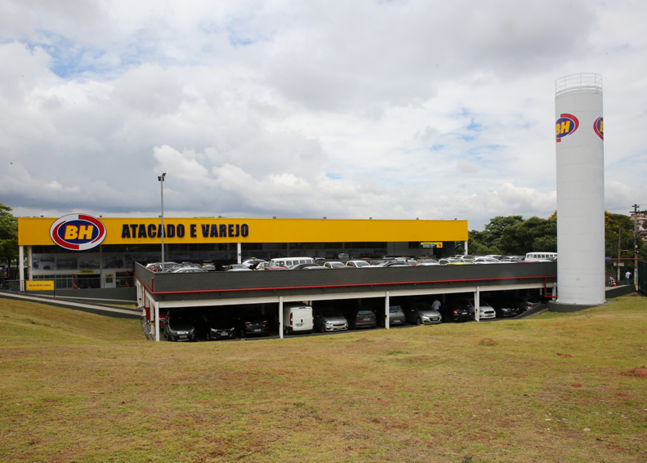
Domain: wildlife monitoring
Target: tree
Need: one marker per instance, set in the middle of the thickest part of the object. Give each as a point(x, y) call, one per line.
point(493, 232)
point(614, 224)
point(8, 235)
point(487, 241)
point(534, 234)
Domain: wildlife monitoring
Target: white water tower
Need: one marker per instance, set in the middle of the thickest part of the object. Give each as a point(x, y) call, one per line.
point(580, 189)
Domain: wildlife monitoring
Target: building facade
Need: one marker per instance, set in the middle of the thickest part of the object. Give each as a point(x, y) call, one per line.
point(81, 251)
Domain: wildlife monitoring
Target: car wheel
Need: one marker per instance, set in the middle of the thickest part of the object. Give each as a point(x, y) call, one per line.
point(418, 321)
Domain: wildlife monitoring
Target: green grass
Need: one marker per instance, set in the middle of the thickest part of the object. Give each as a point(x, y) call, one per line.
point(553, 388)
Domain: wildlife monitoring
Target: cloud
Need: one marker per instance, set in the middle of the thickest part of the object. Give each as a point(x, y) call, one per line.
point(339, 109)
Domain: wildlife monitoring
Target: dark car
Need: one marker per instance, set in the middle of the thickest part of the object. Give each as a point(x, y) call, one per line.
point(457, 311)
point(253, 325)
point(504, 307)
point(360, 317)
point(421, 313)
point(179, 326)
point(217, 326)
point(307, 266)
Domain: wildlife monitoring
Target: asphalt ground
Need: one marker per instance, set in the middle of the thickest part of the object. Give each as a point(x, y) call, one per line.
point(91, 307)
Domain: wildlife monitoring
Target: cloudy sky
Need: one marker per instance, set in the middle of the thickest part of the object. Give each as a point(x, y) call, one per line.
point(345, 109)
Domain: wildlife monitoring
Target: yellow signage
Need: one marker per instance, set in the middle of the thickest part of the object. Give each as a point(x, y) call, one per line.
point(86, 271)
point(34, 231)
point(39, 285)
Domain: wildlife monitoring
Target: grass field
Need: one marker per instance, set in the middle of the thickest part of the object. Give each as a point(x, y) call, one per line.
point(553, 388)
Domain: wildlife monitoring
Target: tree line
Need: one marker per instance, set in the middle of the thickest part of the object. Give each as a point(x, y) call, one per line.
point(514, 235)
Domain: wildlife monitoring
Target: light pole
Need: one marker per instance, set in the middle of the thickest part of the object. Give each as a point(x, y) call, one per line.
point(161, 179)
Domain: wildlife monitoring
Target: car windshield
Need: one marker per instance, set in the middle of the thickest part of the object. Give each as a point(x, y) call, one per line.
point(361, 264)
point(395, 309)
point(364, 312)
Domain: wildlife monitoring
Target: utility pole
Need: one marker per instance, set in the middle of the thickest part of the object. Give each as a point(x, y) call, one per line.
point(635, 212)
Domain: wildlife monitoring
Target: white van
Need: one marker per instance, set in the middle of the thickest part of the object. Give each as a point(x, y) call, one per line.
point(541, 257)
point(297, 318)
point(290, 261)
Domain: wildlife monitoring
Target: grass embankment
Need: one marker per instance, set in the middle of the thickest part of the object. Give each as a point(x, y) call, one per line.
point(554, 388)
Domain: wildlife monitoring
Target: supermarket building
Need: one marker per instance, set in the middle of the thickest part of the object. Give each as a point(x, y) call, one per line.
point(81, 251)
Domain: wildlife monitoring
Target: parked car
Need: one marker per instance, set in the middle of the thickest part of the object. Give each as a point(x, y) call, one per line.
point(179, 326)
point(217, 326)
point(485, 310)
point(208, 265)
point(485, 260)
point(237, 268)
point(267, 267)
point(252, 324)
point(396, 316)
point(253, 262)
point(360, 317)
point(298, 318)
point(329, 319)
point(503, 307)
point(421, 313)
point(357, 263)
point(529, 301)
point(305, 266)
point(176, 267)
point(160, 266)
point(187, 270)
point(391, 263)
point(334, 264)
point(290, 261)
point(457, 311)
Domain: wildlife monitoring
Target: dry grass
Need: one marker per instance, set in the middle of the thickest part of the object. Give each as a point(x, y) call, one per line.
point(554, 388)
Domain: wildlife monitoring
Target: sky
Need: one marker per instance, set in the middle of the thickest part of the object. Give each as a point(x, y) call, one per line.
point(349, 110)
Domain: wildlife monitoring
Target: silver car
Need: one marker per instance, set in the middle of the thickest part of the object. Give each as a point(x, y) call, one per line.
point(421, 313)
point(329, 319)
point(396, 316)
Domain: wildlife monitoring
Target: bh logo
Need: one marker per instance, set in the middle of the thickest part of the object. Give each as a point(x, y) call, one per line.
point(78, 232)
point(567, 124)
point(598, 127)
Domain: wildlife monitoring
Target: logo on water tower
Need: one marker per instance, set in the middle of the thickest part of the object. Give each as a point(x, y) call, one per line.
point(598, 127)
point(78, 232)
point(566, 125)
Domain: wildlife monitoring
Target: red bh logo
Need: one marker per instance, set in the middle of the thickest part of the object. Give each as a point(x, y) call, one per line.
point(566, 125)
point(78, 232)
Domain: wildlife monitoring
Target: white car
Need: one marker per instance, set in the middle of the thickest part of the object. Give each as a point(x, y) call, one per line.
point(485, 310)
point(485, 260)
point(357, 263)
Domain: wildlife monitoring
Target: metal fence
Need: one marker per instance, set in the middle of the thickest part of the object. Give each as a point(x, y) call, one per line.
point(68, 282)
point(10, 285)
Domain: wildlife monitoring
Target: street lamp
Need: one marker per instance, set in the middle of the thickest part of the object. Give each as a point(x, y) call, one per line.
point(161, 179)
